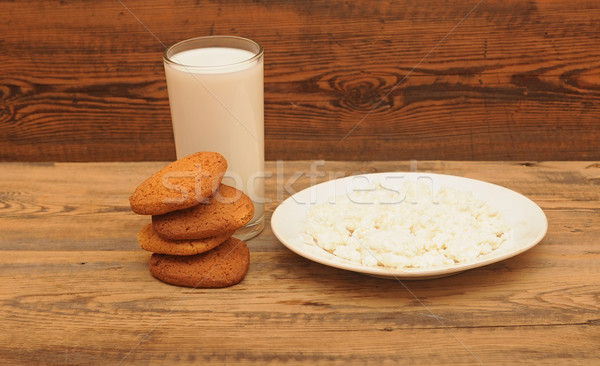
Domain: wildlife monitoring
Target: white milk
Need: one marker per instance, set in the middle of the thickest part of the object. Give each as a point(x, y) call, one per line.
point(217, 105)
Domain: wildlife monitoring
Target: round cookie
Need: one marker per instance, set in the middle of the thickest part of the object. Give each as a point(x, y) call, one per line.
point(227, 210)
point(149, 240)
point(183, 183)
point(223, 266)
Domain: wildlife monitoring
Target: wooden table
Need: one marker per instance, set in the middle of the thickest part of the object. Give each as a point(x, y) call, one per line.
point(75, 287)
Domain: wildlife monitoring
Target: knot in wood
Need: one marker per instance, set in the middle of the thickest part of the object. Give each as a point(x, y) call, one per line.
point(363, 93)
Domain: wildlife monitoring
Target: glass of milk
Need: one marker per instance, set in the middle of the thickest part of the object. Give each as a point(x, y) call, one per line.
point(216, 94)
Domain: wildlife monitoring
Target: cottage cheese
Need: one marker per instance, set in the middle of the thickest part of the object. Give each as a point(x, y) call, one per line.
point(413, 226)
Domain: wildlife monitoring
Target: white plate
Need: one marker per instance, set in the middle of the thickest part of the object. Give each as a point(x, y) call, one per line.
point(527, 220)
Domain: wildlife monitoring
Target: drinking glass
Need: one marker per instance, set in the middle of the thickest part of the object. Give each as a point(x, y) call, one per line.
point(216, 94)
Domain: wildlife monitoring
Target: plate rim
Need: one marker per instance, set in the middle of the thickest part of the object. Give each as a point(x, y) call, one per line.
point(398, 273)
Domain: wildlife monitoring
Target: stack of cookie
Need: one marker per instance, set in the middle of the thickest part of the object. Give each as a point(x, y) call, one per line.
point(194, 217)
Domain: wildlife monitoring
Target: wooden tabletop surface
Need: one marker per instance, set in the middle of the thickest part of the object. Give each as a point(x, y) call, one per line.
point(76, 290)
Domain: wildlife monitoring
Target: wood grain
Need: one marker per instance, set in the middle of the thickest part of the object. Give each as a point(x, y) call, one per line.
point(76, 288)
point(361, 80)
point(104, 307)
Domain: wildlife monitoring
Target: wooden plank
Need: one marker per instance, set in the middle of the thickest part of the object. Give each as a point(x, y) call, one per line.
point(90, 201)
point(99, 306)
point(372, 80)
point(297, 347)
point(512, 293)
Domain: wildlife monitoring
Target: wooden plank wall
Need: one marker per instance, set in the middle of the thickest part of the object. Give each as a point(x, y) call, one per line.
point(344, 80)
